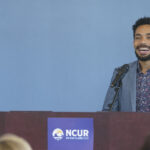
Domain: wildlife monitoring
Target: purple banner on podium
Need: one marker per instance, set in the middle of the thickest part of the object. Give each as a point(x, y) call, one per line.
point(70, 134)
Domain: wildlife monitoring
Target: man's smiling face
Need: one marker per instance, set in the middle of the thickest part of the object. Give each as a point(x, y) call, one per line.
point(142, 42)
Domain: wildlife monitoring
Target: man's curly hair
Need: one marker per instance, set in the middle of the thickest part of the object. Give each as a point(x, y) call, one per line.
point(139, 22)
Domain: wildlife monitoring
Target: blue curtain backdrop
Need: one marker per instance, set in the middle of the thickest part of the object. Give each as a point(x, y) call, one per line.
point(59, 55)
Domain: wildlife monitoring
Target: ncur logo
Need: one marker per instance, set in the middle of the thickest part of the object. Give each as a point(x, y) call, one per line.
point(57, 134)
point(71, 134)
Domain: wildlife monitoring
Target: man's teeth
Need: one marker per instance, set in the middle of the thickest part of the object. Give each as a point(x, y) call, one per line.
point(143, 49)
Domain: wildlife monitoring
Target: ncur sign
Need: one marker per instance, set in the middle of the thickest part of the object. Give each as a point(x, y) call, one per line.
point(70, 133)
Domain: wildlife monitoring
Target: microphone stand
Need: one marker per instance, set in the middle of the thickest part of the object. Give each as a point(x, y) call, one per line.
point(115, 96)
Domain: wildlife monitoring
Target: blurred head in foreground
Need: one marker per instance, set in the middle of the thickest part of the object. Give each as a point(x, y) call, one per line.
point(13, 142)
point(146, 145)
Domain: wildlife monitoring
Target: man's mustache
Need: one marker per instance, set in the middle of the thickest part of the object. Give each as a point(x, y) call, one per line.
point(142, 46)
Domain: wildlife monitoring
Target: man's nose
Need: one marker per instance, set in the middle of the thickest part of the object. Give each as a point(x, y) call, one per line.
point(143, 40)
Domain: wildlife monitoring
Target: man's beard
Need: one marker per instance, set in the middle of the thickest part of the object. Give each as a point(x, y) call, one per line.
point(142, 58)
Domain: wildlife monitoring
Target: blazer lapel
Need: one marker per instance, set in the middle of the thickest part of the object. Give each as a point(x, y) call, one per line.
point(132, 84)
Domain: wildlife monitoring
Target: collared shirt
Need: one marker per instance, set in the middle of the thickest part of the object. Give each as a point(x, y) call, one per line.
point(142, 91)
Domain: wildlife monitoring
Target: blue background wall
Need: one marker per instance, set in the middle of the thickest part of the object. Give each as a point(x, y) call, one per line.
point(59, 55)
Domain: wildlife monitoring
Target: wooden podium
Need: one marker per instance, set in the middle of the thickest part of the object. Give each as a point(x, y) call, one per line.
point(112, 130)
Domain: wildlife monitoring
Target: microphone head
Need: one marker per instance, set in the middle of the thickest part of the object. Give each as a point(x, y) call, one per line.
point(120, 75)
point(124, 68)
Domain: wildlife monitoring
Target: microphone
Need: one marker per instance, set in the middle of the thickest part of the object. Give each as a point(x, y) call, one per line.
point(121, 73)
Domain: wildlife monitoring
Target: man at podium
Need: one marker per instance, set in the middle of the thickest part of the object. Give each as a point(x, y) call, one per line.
point(129, 90)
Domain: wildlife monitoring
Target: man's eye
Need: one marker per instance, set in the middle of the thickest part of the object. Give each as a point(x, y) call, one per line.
point(148, 37)
point(137, 38)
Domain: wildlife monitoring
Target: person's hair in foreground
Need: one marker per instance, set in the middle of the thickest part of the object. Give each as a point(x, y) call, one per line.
point(146, 145)
point(140, 22)
point(13, 142)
